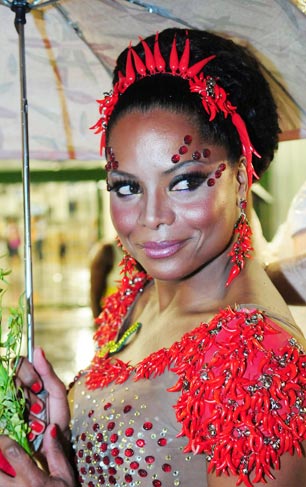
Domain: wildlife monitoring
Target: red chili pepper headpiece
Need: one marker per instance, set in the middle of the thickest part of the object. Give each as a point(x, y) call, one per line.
point(213, 96)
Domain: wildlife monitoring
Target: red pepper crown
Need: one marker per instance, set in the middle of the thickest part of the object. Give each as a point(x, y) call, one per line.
point(214, 98)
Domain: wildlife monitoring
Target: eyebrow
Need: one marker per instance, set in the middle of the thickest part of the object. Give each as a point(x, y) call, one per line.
point(175, 167)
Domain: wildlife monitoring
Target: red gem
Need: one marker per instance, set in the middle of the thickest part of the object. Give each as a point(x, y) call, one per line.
point(83, 470)
point(107, 406)
point(88, 459)
point(96, 427)
point(115, 164)
point(105, 460)
point(91, 484)
point(90, 413)
point(183, 149)
point(114, 438)
point(243, 204)
point(218, 173)
point(119, 460)
point(103, 447)
point(129, 452)
point(99, 437)
point(108, 166)
point(142, 473)
point(91, 470)
point(150, 459)
point(188, 139)
point(166, 467)
point(112, 480)
point(128, 478)
point(175, 158)
point(211, 182)
point(101, 480)
point(83, 436)
point(112, 471)
point(206, 153)
point(115, 452)
point(147, 426)
point(129, 432)
point(96, 457)
point(111, 425)
point(157, 483)
point(134, 465)
point(81, 453)
point(196, 155)
point(140, 443)
point(99, 469)
point(127, 409)
point(162, 442)
point(89, 445)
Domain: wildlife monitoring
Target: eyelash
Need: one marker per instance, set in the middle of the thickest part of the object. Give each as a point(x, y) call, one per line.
point(196, 177)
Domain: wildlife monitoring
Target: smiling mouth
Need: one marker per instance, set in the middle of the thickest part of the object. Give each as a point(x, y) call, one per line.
point(163, 249)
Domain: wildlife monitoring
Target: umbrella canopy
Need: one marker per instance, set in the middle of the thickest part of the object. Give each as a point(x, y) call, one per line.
point(71, 47)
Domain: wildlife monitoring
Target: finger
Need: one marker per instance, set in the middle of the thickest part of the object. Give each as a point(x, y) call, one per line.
point(25, 470)
point(27, 376)
point(58, 463)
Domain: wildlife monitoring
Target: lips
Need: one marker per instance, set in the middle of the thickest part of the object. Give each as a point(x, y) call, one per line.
point(163, 249)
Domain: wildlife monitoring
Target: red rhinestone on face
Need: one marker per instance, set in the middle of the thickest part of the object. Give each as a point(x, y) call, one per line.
point(206, 153)
point(188, 139)
point(175, 158)
point(147, 425)
point(211, 182)
point(218, 174)
point(196, 155)
point(183, 149)
point(222, 166)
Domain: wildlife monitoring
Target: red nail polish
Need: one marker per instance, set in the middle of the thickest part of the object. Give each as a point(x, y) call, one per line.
point(5, 466)
point(36, 387)
point(53, 432)
point(36, 408)
point(37, 427)
point(31, 436)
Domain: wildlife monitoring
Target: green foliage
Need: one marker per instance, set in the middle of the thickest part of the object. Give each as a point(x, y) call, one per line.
point(12, 400)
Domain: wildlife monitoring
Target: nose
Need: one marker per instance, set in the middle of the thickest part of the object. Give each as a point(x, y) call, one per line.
point(156, 210)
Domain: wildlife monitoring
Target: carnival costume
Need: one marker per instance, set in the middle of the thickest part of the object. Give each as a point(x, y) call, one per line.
point(228, 397)
point(232, 389)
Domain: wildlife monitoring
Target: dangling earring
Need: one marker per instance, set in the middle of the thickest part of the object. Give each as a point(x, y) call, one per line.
point(242, 247)
point(127, 265)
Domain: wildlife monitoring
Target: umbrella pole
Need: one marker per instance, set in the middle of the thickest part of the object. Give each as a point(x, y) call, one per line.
point(20, 8)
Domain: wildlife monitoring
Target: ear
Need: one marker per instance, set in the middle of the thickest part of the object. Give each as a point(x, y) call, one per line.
point(242, 179)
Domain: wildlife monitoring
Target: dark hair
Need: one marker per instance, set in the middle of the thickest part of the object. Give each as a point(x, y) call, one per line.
point(236, 70)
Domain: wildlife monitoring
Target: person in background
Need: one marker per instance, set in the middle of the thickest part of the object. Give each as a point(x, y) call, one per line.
point(198, 378)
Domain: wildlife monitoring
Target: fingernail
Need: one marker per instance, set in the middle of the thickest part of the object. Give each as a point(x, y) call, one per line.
point(36, 387)
point(31, 436)
point(36, 408)
point(5, 466)
point(37, 427)
point(53, 432)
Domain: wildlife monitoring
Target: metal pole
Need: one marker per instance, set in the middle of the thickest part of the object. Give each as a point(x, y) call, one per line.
point(21, 8)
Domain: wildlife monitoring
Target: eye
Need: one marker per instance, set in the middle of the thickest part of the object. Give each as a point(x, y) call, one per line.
point(125, 188)
point(188, 182)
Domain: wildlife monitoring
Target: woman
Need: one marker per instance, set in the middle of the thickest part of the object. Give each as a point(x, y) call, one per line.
point(198, 376)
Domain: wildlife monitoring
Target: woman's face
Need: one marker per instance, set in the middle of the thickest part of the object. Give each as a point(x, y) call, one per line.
point(170, 216)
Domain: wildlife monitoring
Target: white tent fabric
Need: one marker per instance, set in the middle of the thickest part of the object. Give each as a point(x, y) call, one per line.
point(71, 47)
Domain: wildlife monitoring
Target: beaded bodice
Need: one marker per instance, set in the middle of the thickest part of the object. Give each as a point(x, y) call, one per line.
point(232, 389)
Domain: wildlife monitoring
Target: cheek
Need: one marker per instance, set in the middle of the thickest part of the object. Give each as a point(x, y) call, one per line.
point(123, 219)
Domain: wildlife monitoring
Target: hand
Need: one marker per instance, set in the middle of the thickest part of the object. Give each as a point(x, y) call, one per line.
point(37, 377)
point(22, 471)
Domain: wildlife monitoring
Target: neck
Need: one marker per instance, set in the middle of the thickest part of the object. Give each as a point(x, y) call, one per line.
point(204, 289)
